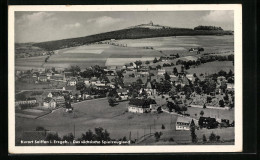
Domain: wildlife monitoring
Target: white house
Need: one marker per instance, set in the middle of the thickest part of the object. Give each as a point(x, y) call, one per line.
point(230, 86)
point(183, 124)
point(49, 103)
point(161, 72)
point(122, 93)
point(72, 82)
point(190, 77)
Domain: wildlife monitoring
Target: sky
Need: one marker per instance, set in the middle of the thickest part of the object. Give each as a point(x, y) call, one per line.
point(47, 26)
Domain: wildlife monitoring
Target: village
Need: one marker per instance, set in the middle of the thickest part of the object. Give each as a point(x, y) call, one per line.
point(148, 87)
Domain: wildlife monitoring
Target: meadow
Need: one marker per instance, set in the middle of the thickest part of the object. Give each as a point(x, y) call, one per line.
point(118, 122)
point(106, 55)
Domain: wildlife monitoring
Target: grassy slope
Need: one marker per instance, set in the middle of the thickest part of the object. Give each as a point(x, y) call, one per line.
point(133, 33)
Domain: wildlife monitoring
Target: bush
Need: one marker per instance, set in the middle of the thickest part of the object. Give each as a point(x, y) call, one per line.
point(69, 137)
point(204, 138)
point(163, 127)
point(171, 139)
point(157, 135)
point(212, 137)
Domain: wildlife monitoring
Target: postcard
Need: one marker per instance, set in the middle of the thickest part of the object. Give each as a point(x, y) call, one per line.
point(125, 78)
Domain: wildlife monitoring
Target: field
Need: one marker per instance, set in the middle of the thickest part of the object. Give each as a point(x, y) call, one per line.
point(119, 123)
point(106, 55)
point(212, 67)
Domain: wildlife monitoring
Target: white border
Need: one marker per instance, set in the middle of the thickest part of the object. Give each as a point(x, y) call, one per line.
point(237, 147)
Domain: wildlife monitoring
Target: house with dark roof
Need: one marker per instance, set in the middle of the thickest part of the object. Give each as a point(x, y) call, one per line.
point(42, 78)
point(208, 122)
point(139, 106)
point(49, 103)
point(55, 94)
point(122, 93)
point(72, 82)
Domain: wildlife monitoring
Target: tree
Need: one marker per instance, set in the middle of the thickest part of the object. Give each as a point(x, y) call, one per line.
point(187, 91)
point(204, 106)
point(230, 73)
point(69, 137)
point(75, 70)
point(204, 138)
point(221, 103)
point(111, 101)
point(138, 63)
point(139, 81)
point(40, 128)
point(155, 60)
point(158, 66)
point(163, 127)
point(81, 87)
point(182, 69)
point(20, 97)
point(177, 56)
point(193, 134)
point(170, 106)
point(157, 135)
point(166, 76)
point(101, 134)
point(217, 138)
point(201, 113)
point(197, 90)
point(88, 73)
point(51, 137)
point(88, 136)
point(184, 109)
point(209, 99)
point(147, 62)
point(212, 137)
point(164, 87)
point(175, 71)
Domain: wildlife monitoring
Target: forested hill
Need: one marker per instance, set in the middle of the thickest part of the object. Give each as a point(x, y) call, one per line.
point(129, 33)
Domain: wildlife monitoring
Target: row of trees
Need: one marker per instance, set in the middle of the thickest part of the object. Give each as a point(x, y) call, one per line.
point(98, 134)
point(200, 27)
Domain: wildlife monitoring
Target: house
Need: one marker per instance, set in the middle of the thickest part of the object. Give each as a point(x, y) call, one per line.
point(149, 88)
point(43, 78)
point(221, 79)
point(49, 103)
point(139, 106)
point(35, 74)
point(161, 72)
point(190, 77)
point(49, 73)
point(60, 100)
point(109, 72)
point(122, 93)
point(183, 124)
point(130, 67)
point(182, 80)
point(30, 100)
point(99, 84)
point(58, 77)
point(68, 74)
point(230, 86)
point(72, 82)
point(55, 94)
point(208, 122)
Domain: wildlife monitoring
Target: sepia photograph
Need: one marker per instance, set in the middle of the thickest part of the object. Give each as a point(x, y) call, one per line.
point(125, 79)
